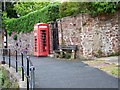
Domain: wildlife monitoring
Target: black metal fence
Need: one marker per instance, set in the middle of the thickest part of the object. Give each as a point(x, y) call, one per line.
point(20, 62)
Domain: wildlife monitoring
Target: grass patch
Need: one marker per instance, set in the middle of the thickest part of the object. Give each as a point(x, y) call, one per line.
point(94, 62)
point(20, 73)
point(114, 54)
point(112, 69)
point(116, 71)
point(6, 81)
point(64, 55)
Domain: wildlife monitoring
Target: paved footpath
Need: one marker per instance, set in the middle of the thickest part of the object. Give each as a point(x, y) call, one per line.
point(54, 73)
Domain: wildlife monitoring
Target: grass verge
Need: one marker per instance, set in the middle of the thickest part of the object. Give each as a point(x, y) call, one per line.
point(111, 69)
point(7, 81)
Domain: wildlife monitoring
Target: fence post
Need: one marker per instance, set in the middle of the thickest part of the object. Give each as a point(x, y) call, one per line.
point(32, 78)
point(16, 62)
point(3, 57)
point(9, 58)
point(22, 67)
point(27, 73)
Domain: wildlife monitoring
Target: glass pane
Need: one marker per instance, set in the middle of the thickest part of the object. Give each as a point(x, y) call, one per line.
point(43, 41)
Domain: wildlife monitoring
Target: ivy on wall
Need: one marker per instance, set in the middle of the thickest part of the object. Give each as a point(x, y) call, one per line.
point(26, 23)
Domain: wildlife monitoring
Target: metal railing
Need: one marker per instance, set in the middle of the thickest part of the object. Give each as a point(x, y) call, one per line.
point(27, 68)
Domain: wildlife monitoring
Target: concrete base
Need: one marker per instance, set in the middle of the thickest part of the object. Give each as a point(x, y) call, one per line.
point(51, 55)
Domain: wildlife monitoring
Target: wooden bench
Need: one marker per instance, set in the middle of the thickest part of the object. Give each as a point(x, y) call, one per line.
point(64, 48)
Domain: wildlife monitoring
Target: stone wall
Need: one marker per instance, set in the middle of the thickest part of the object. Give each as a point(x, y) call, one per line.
point(24, 43)
point(91, 35)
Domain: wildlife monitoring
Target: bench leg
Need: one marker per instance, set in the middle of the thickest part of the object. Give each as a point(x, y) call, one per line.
point(73, 54)
point(61, 52)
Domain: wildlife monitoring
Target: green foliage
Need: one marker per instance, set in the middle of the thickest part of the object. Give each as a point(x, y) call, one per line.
point(116, 71)
point(65, 54)
point(9, 33)
point(15, 37)
point(4, 79)
point(23, 8)
point(114, 54)
point(98, 53)
point(72, 8)
point(4, 19)
point(1, 77)
point(93, 8)
point(9, 9)
point(102, 7)
point(52, 12)
point(26, 23)
point(5, 82)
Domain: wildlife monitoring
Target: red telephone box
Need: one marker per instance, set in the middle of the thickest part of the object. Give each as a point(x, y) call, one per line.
point(41, 39)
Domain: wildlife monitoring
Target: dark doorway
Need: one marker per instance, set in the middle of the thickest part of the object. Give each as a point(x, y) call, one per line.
point(55, 40)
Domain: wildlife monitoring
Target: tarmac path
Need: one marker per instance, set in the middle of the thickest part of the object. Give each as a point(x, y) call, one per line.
point(56, 73)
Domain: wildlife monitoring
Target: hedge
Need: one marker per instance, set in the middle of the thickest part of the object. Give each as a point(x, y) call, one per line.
point(26, 23)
